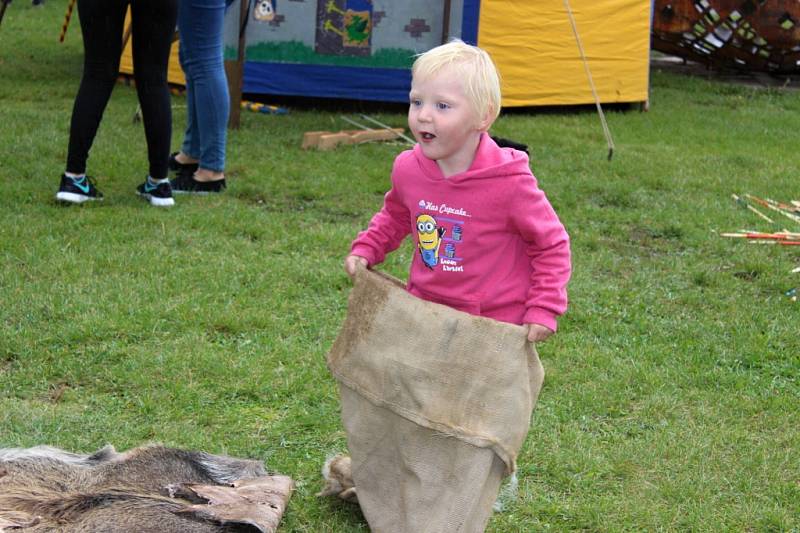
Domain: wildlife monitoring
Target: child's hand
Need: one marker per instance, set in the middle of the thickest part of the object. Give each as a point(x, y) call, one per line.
point(352, 262)
point(538, 332)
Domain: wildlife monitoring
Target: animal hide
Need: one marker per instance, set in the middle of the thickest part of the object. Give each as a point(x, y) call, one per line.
point(338, 474)
point(146, 489)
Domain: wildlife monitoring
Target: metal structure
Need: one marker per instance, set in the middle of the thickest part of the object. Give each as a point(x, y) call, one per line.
point(751, 35)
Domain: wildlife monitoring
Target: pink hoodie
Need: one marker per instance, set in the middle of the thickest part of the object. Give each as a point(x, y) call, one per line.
point(488, 241)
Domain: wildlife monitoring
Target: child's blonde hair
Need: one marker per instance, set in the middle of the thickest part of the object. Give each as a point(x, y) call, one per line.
point(475, 67)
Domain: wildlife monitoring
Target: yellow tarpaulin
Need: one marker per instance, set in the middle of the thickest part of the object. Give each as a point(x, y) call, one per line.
point(537, 54)
point(534, 47)
point(174, 73)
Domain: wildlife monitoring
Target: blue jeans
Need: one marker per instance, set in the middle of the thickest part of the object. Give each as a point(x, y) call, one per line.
point(207, 99)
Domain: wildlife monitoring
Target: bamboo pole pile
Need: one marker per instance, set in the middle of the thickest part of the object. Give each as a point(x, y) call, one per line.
point(785, 238)
point(778, 236)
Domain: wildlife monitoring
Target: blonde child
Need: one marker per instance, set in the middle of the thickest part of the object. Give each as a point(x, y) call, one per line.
point(488, 241)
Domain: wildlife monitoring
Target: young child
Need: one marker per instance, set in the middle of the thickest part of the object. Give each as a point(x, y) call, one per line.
point(489, 242)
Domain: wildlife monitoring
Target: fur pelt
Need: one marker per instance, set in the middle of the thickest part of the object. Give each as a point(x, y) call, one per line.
point(146, 489)
point(338, 475)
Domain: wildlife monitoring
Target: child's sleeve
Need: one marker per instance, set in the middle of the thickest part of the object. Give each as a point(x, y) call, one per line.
point(386, 230)
point(548, 250)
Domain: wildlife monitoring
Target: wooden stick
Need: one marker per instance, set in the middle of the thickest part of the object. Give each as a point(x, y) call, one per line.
point(770, 205)
point(783, 243)
point(65, 25)
point(777, 234)
point(375, 135)
point(330, 140)
point(759, 235)
point(788, 207)
point(354, 123)
point(384, 126)
point(741, 202)
point(327, 140)
point(234, 69)
point(446, 22)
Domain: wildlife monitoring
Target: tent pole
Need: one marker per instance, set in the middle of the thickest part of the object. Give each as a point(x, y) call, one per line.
point(446, 22)
point(235, 70)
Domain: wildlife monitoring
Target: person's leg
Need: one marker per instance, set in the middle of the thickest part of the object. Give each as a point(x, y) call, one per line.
point(201, 40)
point(182, 162)
point(190, 148)
point(153, 28)
point(101, 26)
point(101, 29)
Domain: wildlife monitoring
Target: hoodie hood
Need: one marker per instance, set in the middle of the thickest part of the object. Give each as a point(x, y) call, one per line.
point(490, 162)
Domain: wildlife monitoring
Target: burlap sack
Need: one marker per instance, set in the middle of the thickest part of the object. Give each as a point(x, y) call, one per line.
point(436, 404)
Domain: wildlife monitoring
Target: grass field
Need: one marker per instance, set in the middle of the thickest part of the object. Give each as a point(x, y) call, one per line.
point(672, 400)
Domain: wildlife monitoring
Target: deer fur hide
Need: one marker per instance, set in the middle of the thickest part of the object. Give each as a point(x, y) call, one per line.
point(146, 489)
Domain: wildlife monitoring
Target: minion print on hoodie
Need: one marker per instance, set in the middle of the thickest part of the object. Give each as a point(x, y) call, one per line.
point(429, 236)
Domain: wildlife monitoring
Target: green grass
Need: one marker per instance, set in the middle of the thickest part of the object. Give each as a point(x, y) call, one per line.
point(297, 52)
point(671, 400)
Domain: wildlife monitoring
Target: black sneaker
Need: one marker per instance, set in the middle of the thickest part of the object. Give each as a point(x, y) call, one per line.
point(77, 190)
point(183, 169)
point(159, 194)
point(186, 184)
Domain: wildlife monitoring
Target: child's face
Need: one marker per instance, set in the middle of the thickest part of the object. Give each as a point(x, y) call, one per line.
point(443, 121)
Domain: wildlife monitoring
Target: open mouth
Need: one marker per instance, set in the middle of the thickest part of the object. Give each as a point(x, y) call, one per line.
point(427, 136)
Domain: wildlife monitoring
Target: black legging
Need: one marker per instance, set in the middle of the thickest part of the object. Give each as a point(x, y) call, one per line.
point(102, 26)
